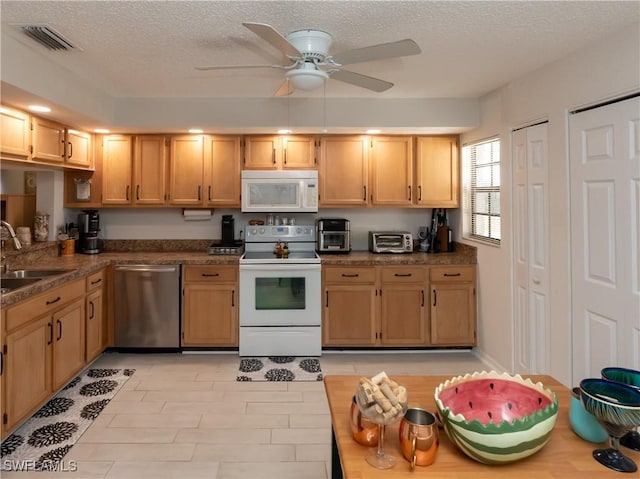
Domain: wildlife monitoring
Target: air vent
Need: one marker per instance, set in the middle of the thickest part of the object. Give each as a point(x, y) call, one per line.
point(48, 37)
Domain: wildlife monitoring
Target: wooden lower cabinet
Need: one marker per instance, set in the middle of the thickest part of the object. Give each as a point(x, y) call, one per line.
point(68, 343)
point(26, 370)
point(403, 311)
point(453, 305)
point(388, 306)
point(95, 315)
point(210, 306)
point(46, 340)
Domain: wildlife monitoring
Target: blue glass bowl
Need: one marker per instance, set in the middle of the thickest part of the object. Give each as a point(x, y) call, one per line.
point(613, 403)
point(622, 375)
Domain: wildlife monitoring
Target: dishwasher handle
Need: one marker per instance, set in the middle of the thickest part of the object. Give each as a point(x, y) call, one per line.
point(148, 269)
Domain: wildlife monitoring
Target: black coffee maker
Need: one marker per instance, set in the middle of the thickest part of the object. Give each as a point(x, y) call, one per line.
point(88, 229)
point(228, 230)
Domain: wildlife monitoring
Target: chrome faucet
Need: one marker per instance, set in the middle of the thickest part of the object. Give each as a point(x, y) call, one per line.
point(16, 241)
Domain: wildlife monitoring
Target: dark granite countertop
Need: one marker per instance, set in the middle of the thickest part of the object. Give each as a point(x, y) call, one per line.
point(44, 256)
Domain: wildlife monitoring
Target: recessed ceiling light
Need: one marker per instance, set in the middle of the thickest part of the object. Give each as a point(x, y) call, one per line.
point(39, 108)
point(284, 132)
point(195, 130)
point(101, 130)
point(373, 132)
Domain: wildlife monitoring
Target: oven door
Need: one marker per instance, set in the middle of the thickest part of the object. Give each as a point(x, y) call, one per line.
point(280, 295)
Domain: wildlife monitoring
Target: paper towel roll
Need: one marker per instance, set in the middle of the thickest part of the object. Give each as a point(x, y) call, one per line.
point(197, 215)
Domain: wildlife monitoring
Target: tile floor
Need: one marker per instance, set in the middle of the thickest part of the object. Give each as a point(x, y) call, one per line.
point(186, 417)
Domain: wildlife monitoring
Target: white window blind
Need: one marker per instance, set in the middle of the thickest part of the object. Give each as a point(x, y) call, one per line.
point(482, 161)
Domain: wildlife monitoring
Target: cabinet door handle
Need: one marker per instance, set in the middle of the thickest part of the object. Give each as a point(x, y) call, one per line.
point(326, 299)
point(50, 326)
point(207, 275)
point(59, 330)
point(199, 192)
point(273, 156)
point(53, 301)
point(364, 187)
point(422, 296)
point(419, 193)
point(233, 298)
point(92, 310)
point(409, 192)
point(403, 275)
point(354, 275)
point(452, 274)
point(434, 297)
point(1, 363)
point(126, 194)
point(285, 156)
point(70, 150)
point(99, 280)
point(137, 192)
point(209, 192)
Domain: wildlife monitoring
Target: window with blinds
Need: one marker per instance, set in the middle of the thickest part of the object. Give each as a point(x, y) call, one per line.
point(482, 190)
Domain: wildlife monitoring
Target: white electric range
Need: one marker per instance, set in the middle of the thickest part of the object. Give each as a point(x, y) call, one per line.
point(280, 297)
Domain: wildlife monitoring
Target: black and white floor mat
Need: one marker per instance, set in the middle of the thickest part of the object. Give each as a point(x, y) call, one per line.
point(43, 440)
point(279, 368)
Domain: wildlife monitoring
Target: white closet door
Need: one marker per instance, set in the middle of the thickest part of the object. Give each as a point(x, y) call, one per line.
point(531, 249)
point(605, 237)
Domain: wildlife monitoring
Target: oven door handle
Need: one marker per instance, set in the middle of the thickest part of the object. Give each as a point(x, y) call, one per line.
point(280, 268)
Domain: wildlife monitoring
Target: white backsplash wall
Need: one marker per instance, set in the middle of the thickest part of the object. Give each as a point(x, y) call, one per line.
point(169, 223)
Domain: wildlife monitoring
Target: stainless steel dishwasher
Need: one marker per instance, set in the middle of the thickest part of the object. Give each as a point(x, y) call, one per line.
point(147, 306)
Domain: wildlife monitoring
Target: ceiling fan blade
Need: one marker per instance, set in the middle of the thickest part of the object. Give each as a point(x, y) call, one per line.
point(275, 38)
point(364, 81)
point(401, 48)
point(229, 67)
point(285, 89)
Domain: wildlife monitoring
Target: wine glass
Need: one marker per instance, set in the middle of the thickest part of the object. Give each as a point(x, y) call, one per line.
point(378, 458)
point(617, 407)
point(632, 378)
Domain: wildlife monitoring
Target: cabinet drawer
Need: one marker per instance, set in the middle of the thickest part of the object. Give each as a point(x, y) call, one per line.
point(95, 280)
point(404, 274)
point(210, 274)
point(29, 309)
point(452, 273)
point(349, 275)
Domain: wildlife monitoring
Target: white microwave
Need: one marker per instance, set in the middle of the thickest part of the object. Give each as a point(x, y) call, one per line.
point(284, 191)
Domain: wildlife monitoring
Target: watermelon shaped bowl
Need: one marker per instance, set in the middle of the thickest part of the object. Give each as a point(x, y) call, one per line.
point(496, 418)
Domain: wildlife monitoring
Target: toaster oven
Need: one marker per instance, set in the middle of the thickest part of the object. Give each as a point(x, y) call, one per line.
point(390, 242)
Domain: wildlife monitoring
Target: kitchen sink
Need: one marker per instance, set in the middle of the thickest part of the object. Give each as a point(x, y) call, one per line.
point(9, 284)
point(32, 273)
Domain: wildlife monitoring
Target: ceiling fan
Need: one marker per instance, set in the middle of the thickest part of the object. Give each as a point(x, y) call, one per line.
point(311, 64)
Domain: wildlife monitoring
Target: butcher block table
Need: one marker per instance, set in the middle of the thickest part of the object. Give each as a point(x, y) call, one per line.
point(565, 456)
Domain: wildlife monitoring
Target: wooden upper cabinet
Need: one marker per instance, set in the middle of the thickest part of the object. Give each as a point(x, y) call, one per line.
point(48, 141)
point(261, 152)
point(15, 134)
point(299, 152)
point(343, 171)
point(116, 169)
point(222, 171)
point(391, 170)
point(149, 170)
point(275, 152)
point(437, 172)
point(79, 149)
point(186, 170)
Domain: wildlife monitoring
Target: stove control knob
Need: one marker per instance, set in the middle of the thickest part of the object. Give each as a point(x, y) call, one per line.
point(261, 231)
point(253, 231)
point(298, 230)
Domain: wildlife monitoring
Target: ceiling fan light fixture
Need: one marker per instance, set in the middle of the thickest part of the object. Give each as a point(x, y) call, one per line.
point(307, 79)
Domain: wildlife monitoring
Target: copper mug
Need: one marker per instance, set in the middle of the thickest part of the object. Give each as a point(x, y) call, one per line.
point(419, 437)
point(67, 247)
point(363, 431)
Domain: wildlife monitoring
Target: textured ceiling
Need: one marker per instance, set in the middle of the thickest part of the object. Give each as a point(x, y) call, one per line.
point(150, 48)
